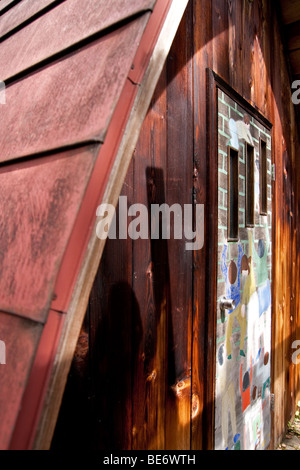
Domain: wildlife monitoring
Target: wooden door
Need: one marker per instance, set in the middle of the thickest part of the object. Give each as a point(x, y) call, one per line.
point(244, 261)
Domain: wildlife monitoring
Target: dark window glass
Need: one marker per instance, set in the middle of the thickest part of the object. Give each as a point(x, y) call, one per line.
point(263, 177)
point(249, 185)
point(233, 194)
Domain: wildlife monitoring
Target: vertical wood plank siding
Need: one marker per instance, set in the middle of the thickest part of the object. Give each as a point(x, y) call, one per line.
point(149, 321)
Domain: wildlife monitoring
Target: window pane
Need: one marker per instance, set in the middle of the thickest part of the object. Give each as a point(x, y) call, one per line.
point(249, 185)
point(233, 194)
point(263, 177)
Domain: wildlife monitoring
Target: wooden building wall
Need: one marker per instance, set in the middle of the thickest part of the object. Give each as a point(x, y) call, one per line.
point(140, 377)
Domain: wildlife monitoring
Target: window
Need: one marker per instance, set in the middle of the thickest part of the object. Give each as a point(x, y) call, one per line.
point(233, 194)
point(263, 177)
point(249, 185)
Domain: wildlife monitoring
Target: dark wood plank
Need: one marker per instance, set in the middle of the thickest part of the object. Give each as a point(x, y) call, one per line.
point(151, 284)
point(77, 394)
point(290, 10)
point(179, 184)
point(296, 211)
point(285, 159)
point(50, 112)
point(68, 24)
point(278, 374)
point(292, 32)
point(260, 57)
point(99, 384)
point(211, 264)
point(220, 45)
point(295, 61)
point(288, 268)
point(35, 217)
point(202, 59)
point(235, 42)
point(264, 36)
point(115, 330)
point(20, 337)
point(248, 45)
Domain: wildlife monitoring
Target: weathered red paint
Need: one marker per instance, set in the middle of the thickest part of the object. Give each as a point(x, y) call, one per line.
point(36, 221)
point(59, 105)
point(21, 338)
point(6, 4)
point(23, 12)
point(31, 45)
point(36, 388)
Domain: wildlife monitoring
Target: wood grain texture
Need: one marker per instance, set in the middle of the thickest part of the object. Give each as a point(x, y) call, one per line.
point(100, 384)
point(68, 25)
point(290, 22)
point(211, 262)
point(179, 184)
point(295, 61)
point(260, 56)
point(292, 32)
point(290, 11)
point(219, 18)
point(150, 285)
point(202, 59)
point(235, 42)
